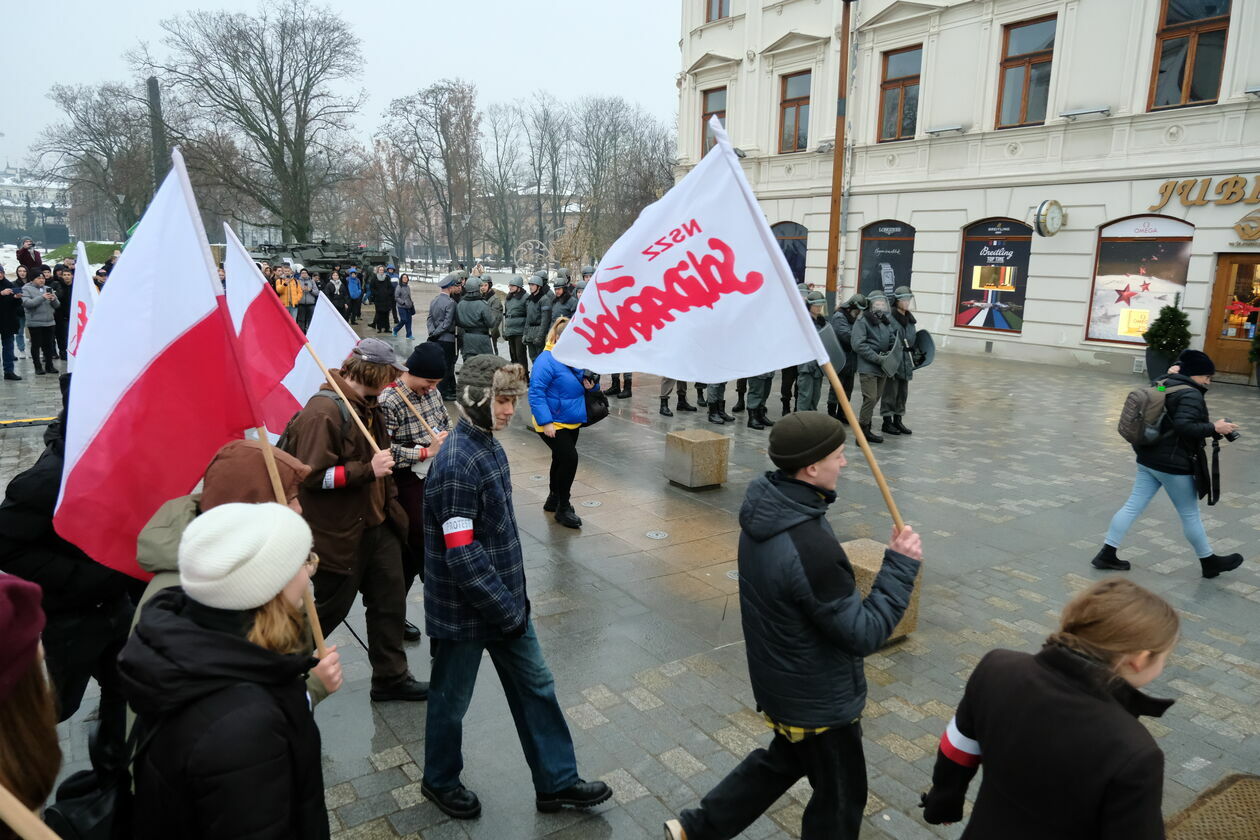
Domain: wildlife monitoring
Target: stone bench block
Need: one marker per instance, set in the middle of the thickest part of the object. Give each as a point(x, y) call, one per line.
point(867, 556)
point(696, 458)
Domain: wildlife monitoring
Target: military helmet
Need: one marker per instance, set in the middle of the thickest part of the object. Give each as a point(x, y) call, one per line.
point(857, 300)
point(588, 270)
point(579, 286)
point(515, 280)
point(562, 280)
point(463, 275)
point(876, 294)
point(815, 298)
point(903, 293)
point(563, 272)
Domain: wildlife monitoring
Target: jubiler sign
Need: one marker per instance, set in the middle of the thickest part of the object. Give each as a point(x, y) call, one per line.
point(1197, 191)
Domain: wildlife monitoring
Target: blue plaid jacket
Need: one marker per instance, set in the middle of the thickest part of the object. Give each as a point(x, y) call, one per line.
point(473, 592)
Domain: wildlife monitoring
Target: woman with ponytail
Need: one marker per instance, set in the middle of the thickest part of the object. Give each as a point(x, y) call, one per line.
point(1064, 753)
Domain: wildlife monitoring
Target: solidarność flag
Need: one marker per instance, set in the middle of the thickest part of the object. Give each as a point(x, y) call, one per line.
point(83, 295)
point(157, 388)
point(697, 289)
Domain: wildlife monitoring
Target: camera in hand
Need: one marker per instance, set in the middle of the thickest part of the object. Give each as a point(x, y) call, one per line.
point(1234, 435)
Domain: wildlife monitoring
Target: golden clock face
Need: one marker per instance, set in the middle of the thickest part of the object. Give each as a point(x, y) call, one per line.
point(1050, 217)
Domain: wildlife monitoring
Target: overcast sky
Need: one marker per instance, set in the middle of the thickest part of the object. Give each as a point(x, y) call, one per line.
point(509, 48)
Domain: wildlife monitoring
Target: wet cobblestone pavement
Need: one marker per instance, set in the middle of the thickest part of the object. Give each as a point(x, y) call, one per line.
point(1012, 475)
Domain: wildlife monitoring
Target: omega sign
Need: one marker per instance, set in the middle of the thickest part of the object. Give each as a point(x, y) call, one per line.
point(1195, 191)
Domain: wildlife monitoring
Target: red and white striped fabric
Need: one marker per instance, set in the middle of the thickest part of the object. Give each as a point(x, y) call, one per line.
point(269, 337)
point(281, 373)
point(157, 388)
point(958, 748)
point(457, 531)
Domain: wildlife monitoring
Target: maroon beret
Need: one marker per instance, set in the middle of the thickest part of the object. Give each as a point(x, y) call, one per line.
point(21, 623)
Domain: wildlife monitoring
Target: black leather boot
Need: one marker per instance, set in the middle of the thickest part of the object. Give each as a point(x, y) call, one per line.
point(614, 385)
point(566, 515)
point(739, 403)
point(787, 406)
point(459, 802)
point(1215, 564)
point(901, 427)
point(700, 397)
point(714, 415)
point(550, 504)
point(1106, 559)
point(624, 393)
point(665, 412)
point(870, 435)
point(721, 408)
point(581, 795)
point(683, 405)
point(765, 419)
point(754, 419)
point(888, 428)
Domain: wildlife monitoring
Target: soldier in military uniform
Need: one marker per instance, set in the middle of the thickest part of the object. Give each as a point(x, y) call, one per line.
point(496, 309)
point(873, 340)
point(476, 319)
point(809, 375)
point(514, 322)
point(898, 387)
point(842, 322)
point(758, 392)
point(566, 303)
point(667, 390)
point(717, 404)
point(538, 314)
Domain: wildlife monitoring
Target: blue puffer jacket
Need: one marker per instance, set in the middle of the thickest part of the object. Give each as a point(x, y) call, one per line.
point(556, 394)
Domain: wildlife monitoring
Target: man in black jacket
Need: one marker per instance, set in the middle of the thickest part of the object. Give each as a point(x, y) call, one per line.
point(10, 325)
point(806, 627)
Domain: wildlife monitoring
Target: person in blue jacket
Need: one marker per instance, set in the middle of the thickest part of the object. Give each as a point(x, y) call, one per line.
point(354, 295)
point(557, 399)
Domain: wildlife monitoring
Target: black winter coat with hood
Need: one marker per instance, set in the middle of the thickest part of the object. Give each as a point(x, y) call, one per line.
point(806, 625)
point(236, 752)
point(1183, 429)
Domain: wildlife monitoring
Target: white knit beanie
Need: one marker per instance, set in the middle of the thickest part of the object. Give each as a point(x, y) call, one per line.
point(239, 556)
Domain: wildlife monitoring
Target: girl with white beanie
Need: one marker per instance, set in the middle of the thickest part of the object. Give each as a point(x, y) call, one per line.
point(215, 670)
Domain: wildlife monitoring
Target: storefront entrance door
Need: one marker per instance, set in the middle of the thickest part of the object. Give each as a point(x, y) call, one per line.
point(1235, 311)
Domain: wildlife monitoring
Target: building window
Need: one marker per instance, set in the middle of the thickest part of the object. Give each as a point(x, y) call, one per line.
point(1189, 53)
point(792, 238)
point(1025, 88)
point(794, 113)
point(1142, 266)
point(716, 10)
point(714, 105)
point(899, 94)
point(993, 275)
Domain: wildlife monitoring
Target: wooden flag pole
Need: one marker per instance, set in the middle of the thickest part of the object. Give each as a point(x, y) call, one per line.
point(419, 416)
point(269, 457)
point(856, 429)
point(357, 419)
point(25, 823)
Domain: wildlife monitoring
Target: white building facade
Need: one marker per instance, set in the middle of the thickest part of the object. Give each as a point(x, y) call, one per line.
point(1044, 174)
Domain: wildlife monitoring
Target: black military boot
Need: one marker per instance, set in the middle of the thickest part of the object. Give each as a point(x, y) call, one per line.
point(765, 418)
point(721, 410)
point(870, 435)
point(566, 515)
point(714, 415)
point(901, 427)
point(550, 504)
point(624, 393)
point(1106, 559)
point(754, 419)
point(739, 403)
point(787, 406)
point(700, 397)
point(614, 385)
point(888, 428)
point(1215, 564)
point(683, 405)
point(665, 412)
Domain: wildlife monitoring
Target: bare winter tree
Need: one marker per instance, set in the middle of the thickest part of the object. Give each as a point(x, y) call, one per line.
point(436, 132)
point(548, 160)
point(604, 122)
point(502, 171)
point(101, 150)
point(262, 116)
point(384, 197)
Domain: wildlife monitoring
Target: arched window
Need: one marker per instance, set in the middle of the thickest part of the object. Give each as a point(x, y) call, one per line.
point(1141, 267)
point(887, 254)
point(792, 239)
point(993, 275)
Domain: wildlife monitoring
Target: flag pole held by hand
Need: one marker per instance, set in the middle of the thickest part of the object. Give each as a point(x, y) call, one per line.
point(269, 457)
point(419, 416)
point(354, 414)
point(856, 428)
point(24, 822)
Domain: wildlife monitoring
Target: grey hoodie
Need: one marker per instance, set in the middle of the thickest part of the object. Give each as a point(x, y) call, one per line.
point(40, 312)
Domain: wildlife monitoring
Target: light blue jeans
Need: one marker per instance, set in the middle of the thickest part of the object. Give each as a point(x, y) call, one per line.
point(1184, 498)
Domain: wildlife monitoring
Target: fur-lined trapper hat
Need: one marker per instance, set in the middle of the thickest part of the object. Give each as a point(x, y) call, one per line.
point(481, 379)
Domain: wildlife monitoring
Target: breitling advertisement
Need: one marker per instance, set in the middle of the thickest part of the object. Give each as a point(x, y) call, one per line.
point(993, 278)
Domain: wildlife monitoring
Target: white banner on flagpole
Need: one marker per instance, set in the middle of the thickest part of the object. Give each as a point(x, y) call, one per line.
point(83, 294)
point(697, 289)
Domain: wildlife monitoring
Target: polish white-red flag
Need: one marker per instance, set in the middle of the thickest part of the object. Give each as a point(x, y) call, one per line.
point(83, 294)
point(281, 372)
point(157, 388)
point(270, 339)
point(697, 289)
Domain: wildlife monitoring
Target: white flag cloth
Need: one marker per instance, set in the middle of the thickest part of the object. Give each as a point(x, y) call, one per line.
point(83, 296)
point(332, 338)
point(697, 289)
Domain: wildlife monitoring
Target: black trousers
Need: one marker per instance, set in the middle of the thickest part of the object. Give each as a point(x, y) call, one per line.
point(835, 766)
point(517, 352)
point(355, 308)
point(43, 346)
point(411, 497)
point(785, 388)
point(377, 572)
point(62, 328)
point(447, 386)
point(564, 462)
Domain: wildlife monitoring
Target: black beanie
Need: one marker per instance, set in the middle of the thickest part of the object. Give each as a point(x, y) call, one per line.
point(1196, 363)
point(427, 361)
point(804, 438)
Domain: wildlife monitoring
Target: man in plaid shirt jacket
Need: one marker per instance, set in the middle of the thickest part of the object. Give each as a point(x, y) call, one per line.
point(413, 449)
point(474, 601)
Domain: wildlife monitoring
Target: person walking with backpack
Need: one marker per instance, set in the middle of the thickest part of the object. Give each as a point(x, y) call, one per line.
point(216, 673)
point(1057, 732)
point(1172, 462)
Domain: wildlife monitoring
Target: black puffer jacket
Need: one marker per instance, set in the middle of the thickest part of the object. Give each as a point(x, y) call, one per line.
point(1183, 429)
point(236, 752)
point(1062, 749)
point(806, 626)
